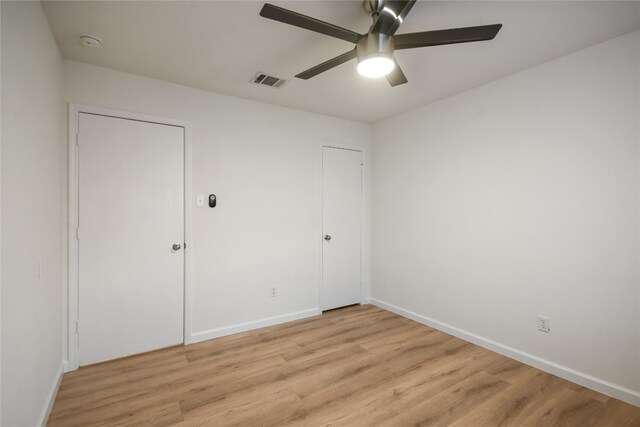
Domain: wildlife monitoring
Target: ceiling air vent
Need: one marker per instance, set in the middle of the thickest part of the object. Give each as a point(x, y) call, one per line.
point(264, 79)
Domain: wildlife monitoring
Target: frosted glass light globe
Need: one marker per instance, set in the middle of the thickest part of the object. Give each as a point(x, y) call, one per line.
point(375, 66)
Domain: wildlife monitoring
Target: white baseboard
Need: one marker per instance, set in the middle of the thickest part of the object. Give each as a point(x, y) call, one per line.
point(247, 326)
point(366, 301)
point(586, 380)
point(51, 397)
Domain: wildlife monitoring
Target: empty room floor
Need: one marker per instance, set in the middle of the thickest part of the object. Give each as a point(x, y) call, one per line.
point(357, 366)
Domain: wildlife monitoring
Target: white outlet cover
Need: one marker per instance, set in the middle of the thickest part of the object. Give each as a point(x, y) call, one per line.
point(543, 323)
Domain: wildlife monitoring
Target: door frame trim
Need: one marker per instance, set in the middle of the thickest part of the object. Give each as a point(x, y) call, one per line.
point(362, 152)
point(70, 296)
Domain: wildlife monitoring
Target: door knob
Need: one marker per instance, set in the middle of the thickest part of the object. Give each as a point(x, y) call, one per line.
point(176, 246)
point(327, 237)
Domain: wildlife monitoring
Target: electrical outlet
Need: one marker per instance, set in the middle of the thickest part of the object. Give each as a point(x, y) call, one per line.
point(274, 292)
point(543, 323)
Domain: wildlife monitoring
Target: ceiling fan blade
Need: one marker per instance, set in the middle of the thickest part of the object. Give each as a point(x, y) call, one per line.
point(396, 76)
point(406, 10)
point(391, 16)
point(293, 18)
point(450, 36)
point(327, 65)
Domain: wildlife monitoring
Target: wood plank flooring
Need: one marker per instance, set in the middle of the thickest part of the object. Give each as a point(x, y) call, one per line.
point(357, 366)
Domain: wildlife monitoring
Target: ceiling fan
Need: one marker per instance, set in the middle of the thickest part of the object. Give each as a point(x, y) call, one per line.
point(374, 50)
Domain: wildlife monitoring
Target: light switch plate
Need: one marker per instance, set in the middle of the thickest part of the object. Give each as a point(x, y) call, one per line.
point(200, 200)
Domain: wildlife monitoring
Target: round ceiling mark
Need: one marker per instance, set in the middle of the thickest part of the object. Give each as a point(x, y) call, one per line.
point(91, 41)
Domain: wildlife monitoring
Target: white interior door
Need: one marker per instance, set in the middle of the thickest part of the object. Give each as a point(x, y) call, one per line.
point(131, 213)
point(342, 227)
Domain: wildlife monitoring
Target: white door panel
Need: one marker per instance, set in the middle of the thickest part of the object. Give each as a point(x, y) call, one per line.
point(131, 212)
point(342, 221)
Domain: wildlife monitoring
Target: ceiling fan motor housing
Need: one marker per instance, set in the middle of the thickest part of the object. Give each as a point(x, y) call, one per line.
point(375, 45)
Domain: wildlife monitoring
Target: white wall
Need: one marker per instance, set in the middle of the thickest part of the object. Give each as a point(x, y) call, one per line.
point(263, 163)
point(32, 217)
point(520, 198)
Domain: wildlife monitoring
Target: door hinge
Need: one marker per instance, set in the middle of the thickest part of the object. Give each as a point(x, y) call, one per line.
point(77, 328)
point(77, 233)
point(77, 138)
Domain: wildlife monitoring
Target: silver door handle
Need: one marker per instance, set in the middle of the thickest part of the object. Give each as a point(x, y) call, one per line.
point(176, 246)
point(327, 237)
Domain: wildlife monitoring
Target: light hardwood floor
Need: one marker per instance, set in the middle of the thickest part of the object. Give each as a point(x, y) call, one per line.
point(357, 366)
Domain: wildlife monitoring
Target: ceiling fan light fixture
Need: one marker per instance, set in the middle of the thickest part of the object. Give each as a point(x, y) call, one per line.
point(375, 55)
point(375, 49)
point(375, 66)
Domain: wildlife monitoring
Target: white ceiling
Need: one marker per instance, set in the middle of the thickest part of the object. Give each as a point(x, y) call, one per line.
point(219, 45)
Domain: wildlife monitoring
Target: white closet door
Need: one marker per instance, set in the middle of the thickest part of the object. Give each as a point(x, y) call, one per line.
point(342, 227)
point(131, 213)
